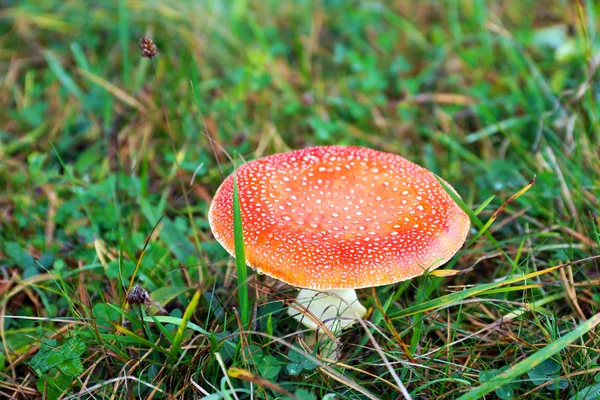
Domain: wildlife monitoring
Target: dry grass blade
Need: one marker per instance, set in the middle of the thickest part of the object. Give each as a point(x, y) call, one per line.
point(178, 338)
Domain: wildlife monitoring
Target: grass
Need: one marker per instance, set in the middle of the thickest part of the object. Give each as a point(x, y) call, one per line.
point(100, 192)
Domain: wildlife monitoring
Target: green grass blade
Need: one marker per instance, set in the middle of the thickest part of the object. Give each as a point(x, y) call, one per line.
point(484, 205)
point(176, 321)
point(527, 364)
point(137, 339)
point(240, 257)
point(160, 327)
point(183, 325)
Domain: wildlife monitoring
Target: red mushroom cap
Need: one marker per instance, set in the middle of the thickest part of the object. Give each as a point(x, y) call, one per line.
point(337, 217)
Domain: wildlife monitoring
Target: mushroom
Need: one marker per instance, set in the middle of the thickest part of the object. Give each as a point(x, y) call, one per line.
point(332, 219)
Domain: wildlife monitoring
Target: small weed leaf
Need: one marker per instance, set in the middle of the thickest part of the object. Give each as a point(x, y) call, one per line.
point(485, 376)
point(545, 371)
point(17, 255)
point(71, 367)
point(66, 357)
point(22, 259)
point(549, 366)
point(42, 359)
point(73, 348)
point(46, 361)
point(505, 392)
point(269, 367)
point(299, 362)
point(294, 368)
point(227, 350)
point(301, 359)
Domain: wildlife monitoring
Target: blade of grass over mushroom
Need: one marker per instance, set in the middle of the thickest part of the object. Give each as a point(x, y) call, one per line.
point(240, 257)
point(178, 338)
point(535, 359)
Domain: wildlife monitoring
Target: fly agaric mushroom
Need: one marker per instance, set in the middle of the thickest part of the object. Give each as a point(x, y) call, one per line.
point(337, 218)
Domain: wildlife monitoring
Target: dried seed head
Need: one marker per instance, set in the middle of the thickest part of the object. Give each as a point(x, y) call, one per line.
point(138, 296)
point(148, 47)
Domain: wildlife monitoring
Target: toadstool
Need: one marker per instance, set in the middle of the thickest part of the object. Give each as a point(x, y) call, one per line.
point(339, 218)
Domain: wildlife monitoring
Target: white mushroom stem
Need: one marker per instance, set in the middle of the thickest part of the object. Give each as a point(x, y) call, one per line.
point(335, 309)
